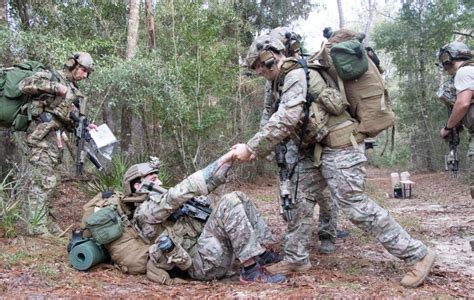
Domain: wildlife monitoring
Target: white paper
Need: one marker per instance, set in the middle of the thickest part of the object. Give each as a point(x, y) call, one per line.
point(102, 136)
point(104, 140)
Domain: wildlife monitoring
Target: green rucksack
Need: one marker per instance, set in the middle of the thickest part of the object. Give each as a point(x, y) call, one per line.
point(349, 59)
point(12, 99)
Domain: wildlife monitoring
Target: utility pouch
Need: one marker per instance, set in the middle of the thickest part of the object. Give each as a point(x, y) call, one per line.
point(20, 123)
point(179, 257)
point(105, 225)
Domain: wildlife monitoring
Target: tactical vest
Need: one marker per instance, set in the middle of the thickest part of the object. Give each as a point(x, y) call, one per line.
point(329, 122)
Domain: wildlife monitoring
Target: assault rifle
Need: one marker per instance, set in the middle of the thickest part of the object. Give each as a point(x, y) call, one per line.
point(285, 196)
point(194, 209)
point(82, 136)
point(451, 161)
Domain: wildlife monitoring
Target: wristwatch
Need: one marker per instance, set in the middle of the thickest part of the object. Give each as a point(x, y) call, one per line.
point(447, 128)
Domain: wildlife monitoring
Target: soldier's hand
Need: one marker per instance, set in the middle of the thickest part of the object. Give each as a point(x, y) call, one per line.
point(243, 152)
point(61, 90)
point(228, 158)
point(444, 133)
point(92, 126)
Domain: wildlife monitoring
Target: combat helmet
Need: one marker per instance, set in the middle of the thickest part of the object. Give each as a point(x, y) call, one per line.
point(261, 49)
point(136, 172)
point(453, 51)
point(82, 58)
point(290, 39)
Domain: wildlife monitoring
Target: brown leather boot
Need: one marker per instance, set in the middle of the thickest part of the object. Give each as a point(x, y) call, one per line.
point(418, 272)
point(286, 267)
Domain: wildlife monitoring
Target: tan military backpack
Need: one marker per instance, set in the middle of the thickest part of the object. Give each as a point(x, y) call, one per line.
point(367, 95)
point(128, 252)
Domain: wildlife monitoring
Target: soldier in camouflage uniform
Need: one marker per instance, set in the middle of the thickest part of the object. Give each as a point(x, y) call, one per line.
point(456, 60)
point(54, 95)
point(298, 229)
point(342, 167)
point(205, 249)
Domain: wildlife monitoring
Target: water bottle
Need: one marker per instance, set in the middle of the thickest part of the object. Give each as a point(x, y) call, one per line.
point(165, 244)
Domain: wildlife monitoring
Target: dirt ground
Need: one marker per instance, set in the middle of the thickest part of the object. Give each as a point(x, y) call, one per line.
point(440, 213)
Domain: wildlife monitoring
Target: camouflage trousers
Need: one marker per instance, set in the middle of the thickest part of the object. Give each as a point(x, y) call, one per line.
point(234, 230)
point(470, 154)
point(346, 176)
point(42, 163)
point(311, 189)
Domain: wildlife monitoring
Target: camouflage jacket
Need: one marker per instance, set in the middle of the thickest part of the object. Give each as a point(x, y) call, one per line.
point(43, 86)
point(276, 125)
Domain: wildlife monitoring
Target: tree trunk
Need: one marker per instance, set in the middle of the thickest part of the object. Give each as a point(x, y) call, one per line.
point(22, 8)
point(132, 37)
point(150, 25)
point(341, 14)
point(133, 22)
point(370, 8)
point(126, 128)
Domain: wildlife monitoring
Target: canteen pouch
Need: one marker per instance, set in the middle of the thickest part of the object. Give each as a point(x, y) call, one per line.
point(105, 225)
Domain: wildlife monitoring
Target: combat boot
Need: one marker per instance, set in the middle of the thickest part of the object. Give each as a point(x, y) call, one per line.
point(418, 272)
point(286, 267)
point(327, 246)
point(257, 273)
point(268, 257)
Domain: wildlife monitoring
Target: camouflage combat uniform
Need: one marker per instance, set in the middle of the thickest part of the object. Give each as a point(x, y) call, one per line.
point(298, 235)
point(233, 230)
point(50, 113)
point(342, 168)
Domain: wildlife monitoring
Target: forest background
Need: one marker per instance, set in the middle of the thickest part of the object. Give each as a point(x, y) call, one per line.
point(169, 79)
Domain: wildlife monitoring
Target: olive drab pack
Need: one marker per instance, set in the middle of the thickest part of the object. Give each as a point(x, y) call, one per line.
point(14, 108)
point(366, 92)
point(128, 251)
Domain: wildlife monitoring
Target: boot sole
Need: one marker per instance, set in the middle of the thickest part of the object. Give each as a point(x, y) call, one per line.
point(427, 272)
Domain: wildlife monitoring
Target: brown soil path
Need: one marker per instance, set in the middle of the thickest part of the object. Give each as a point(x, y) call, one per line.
point(440, 213)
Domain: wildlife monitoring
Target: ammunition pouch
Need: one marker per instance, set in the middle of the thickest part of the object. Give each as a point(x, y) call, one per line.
point(343, 135)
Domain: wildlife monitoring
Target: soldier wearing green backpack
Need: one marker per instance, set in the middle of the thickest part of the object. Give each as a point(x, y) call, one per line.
point(52, 96)
point(331, 137)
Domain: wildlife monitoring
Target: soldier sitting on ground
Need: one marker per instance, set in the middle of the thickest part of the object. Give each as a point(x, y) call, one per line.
point(204, 245)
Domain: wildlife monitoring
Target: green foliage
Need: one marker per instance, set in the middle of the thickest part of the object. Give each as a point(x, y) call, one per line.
point(112, 179)
point(9, 205)
point(412, 40)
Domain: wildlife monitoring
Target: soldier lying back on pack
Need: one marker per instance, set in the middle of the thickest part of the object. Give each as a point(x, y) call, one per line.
point(174, 233)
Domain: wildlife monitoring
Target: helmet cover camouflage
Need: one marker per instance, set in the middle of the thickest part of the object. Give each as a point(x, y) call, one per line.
point(453, 51)
point(135, 172)
point(84, 59)
point(288, 38)
point(260, 49)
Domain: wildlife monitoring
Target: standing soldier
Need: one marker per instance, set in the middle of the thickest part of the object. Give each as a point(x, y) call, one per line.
point(54, 95)
point(455, 59)
point(298, 228)
point(329, 137)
